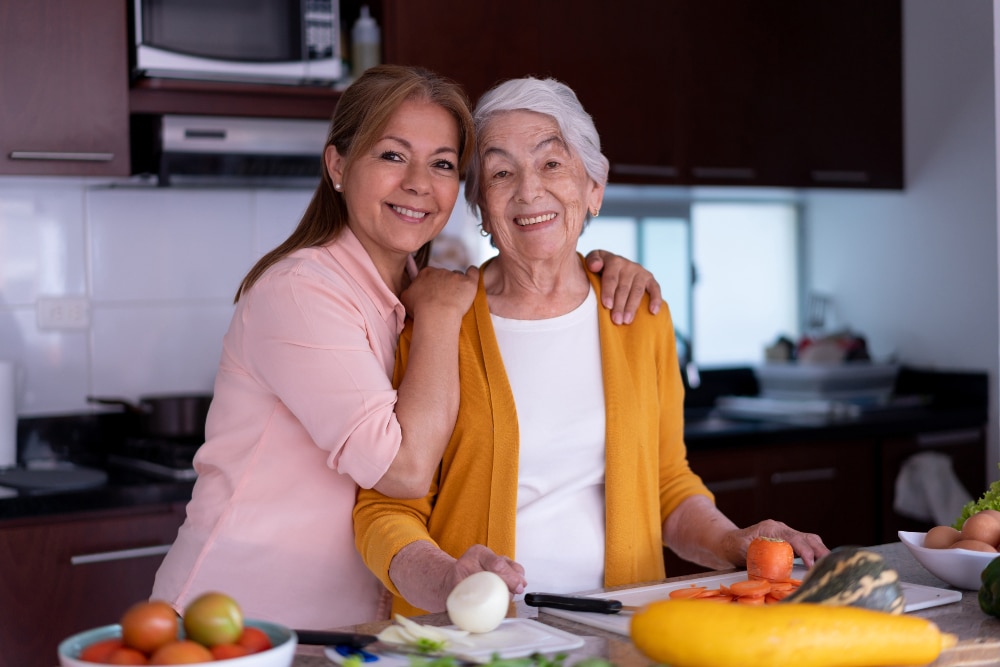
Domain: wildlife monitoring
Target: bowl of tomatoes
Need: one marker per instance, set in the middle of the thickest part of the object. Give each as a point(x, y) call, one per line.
point(211, 629)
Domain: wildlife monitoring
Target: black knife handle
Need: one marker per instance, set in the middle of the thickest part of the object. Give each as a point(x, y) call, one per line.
point(573, 603)
point(325, 638)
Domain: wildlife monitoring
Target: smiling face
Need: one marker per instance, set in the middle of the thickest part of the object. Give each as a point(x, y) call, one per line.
point(400, 193)
point(535, 190)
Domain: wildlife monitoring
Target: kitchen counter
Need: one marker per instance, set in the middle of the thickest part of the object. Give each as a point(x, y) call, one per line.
point(122, 489)
point(978, 633)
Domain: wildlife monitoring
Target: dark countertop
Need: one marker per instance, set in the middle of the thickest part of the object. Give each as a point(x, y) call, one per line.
point(129, 489)
point(706, 429)
point(122, 490)
point(978, 633)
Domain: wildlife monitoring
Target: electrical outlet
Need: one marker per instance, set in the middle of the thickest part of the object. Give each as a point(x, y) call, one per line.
point(64, 312)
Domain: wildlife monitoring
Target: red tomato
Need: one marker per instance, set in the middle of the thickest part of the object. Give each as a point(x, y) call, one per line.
point(185, 652)
point(213, 618)
point(254, 639)
point(127, 656)
point(147, 626)
point(99, 651)
point(226, 651)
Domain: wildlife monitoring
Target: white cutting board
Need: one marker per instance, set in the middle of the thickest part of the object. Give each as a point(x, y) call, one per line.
point(515, 638)
point(917, 597)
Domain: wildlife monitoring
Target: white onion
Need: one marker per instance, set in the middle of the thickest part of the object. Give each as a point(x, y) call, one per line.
point(479, 602)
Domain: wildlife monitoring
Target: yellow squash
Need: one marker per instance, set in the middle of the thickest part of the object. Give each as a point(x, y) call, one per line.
point(697, 633)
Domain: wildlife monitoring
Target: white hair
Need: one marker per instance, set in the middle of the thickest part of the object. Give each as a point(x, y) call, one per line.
point(546, 96)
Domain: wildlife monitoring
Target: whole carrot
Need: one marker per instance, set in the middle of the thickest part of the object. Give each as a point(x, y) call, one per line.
point(770, 558)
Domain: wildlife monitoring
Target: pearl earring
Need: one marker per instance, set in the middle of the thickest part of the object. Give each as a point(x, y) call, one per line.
point(338, 187)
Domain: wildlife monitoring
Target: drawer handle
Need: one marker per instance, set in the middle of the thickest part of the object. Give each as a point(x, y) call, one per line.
point(842, 176)
point(736, 484)
point(644, 170)
point(799, 476)
point(945, 438)
point(62, 157)
point(733, 173)
point(121, 554)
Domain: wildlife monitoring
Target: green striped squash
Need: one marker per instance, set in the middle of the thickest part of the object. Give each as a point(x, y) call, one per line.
point(852, 577)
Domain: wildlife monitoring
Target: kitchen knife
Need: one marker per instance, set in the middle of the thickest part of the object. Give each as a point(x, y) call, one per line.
point(324, 638)
point(577, 603)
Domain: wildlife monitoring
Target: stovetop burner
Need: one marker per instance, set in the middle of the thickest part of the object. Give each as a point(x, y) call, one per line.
point(168, 458)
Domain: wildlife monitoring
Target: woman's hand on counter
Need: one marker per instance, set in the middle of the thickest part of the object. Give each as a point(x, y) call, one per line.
point(425, 575)
point(698, 532)
point(808, 546)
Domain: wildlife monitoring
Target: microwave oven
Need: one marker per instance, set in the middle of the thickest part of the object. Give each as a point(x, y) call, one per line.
point(262, 41)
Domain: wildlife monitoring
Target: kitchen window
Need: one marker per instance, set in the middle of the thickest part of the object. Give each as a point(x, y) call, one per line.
point(728, 264)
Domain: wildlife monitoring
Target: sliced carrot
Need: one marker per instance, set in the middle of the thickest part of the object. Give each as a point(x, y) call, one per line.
point(745, 599)
point(782, 586)
point(779, 595)
point(692, 592)
point(750, 588)
point(711, 593)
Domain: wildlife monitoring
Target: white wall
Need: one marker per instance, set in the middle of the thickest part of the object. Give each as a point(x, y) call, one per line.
point(916, 271)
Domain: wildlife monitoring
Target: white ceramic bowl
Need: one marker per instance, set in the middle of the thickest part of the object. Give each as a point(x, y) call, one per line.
point(959, 567)
point(281, 654)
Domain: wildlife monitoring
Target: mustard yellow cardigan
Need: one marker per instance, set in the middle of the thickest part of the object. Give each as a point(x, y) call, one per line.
point(474, 497)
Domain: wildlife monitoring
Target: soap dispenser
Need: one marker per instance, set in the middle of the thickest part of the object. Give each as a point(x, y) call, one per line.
point(366, 43)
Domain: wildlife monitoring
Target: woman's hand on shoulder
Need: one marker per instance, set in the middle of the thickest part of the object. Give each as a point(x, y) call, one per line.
point(440, 292)
point(623, 282)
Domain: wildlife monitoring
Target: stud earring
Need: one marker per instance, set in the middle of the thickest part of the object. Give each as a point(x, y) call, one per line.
point(483, 232)
point(594, 212)
point(338, 187)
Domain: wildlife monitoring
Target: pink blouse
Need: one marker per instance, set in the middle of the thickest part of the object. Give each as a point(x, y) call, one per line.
point(302, 415)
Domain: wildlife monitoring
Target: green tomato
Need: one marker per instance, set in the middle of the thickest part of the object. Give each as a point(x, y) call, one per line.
point(212, 619)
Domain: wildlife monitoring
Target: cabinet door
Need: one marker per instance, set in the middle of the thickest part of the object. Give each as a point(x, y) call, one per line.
point(827, 488)
point(67, 575)
point(847, 74)
point(64, 88)
point(622, 65)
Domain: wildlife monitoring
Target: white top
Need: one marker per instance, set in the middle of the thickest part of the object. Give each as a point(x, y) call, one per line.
point(554, 368)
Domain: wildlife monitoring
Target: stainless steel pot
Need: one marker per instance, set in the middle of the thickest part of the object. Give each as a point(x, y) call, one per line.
point(167, 415)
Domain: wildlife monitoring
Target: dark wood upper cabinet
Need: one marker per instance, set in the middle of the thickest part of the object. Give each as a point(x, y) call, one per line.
point(715, 92)
point(780, 93)
point(64, 88)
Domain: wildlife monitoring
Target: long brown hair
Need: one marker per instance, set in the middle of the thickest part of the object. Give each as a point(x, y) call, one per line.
point(363, 112)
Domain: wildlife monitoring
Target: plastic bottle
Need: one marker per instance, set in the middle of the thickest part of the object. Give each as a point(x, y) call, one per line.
point(366, 43)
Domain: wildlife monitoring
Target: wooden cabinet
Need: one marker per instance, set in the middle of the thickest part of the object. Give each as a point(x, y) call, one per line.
point(966, 452)
point(822, 487)
point(66, 574)
point(64, 88)
point(698, 92)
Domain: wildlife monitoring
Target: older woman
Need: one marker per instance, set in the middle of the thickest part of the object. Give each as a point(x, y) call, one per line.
point(567, 466)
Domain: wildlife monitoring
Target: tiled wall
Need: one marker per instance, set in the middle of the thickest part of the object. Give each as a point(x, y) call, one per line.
point(158, 268)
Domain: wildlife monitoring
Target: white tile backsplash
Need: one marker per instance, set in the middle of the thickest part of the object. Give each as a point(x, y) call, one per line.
point(169, 244)
point(41, 238)
point(142, 350)
point(158, 267)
